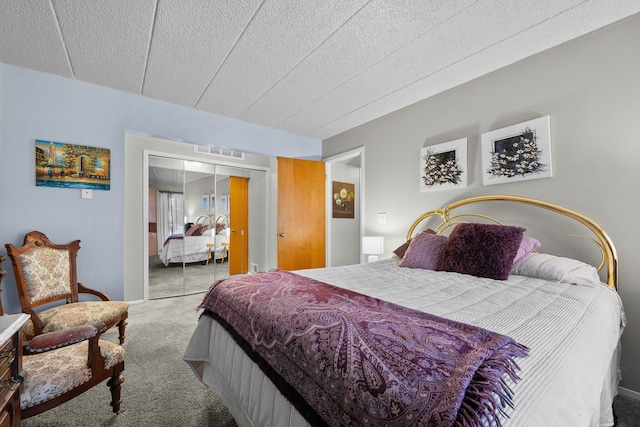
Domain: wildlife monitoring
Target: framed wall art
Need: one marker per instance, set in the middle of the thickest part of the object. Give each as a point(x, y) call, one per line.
point(63, 165)
point(444, 166)
point(212, 202)
point(205, 202)
point(344, 200)
point(517, 153)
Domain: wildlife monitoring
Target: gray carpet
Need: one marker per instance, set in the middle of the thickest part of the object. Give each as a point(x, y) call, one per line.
point(178, 279)
point(161, 390)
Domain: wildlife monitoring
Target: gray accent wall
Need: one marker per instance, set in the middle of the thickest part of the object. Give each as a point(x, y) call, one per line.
point(590, 88)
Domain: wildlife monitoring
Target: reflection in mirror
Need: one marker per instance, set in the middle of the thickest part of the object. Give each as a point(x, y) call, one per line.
point(166, 217)
point(192, 206)
point(180, 266)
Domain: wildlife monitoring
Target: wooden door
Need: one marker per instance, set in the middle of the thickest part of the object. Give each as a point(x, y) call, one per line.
point(239, 224)
point(301, 214)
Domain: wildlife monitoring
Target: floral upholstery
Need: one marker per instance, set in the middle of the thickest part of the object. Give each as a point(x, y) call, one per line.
point(77, 314)
point(51, 374)
point(46, 271)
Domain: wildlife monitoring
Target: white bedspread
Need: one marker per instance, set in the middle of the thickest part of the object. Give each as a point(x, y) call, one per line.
point(192, 249)
point(569, 378)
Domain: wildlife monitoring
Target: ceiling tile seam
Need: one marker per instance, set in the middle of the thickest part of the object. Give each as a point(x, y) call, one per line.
point(215, 74)
point(64, 45)
point(146, 60)
point(375, 63)
point(445, 67)
point(303, 59)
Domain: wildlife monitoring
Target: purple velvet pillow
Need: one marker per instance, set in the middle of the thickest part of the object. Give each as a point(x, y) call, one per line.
point(482, 250)
point(528, 245)
point(400, 250)
point(424, 251)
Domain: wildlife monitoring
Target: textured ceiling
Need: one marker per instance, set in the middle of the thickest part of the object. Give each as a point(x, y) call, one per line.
point(314, 68)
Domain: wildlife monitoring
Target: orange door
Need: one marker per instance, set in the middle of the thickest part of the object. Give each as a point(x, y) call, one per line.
point(301, 214)
point(239, 224)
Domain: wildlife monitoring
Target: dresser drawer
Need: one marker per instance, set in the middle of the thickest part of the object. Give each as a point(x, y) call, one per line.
point(10, 379)
point(7, 357)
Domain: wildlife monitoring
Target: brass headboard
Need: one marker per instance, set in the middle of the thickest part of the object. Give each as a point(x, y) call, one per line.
point(602, 239)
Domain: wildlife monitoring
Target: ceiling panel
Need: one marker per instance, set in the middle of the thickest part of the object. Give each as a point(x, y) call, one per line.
point(279, 38)
point(30, 37)
point(311, 68)
point(107, 40)
point(190, 44)
point(378, 31)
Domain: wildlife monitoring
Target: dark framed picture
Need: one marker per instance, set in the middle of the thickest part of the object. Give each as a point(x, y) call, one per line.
point(344, 198)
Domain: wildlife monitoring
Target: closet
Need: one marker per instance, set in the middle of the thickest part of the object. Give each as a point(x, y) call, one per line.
point(226, 204)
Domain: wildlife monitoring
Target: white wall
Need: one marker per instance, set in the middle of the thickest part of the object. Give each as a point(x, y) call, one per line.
point(591, 89)
point(41, 106)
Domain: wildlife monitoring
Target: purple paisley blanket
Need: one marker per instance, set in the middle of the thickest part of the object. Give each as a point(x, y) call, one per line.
point(347, 359)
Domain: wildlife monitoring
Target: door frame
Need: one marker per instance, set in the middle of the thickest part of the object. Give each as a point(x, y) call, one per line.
point(146, 153)
point(341, 158)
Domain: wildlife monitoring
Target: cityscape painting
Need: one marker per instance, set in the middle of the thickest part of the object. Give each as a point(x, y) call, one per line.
point(72, 166)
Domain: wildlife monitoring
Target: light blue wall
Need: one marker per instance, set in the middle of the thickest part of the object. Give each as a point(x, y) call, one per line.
point(34, 105)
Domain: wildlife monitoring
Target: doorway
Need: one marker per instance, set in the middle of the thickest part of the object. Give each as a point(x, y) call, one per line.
point(344, 235)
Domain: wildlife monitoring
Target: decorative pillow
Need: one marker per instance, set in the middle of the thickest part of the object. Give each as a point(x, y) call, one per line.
point(195, 230)
point(400, 250)
point(482, 250)
point(555, 268)
point(424, 251)
point(191, 230)
point(528, 245)
point(187, 226)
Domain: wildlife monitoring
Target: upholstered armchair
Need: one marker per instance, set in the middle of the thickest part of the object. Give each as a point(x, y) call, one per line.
point(59, 366)
point(46, 273)
point(55, 367)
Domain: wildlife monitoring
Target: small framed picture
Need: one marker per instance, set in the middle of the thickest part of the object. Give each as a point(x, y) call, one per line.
point(517, 153)
point(344, 200)
point(212, 202)
point(444, 166)
point(205, 202)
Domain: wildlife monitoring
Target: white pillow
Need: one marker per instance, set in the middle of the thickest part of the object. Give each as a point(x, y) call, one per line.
point(555, 268)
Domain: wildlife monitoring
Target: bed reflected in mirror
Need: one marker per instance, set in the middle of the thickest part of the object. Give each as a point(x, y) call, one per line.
point(190, 225)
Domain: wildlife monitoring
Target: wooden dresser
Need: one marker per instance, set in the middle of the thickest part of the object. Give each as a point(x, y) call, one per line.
point(10, 364)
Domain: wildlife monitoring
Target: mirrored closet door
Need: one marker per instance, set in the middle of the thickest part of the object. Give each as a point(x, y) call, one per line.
point(210, 222)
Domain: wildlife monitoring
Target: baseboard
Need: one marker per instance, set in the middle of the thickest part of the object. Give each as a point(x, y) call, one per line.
point(629, 393)
point(140, 301)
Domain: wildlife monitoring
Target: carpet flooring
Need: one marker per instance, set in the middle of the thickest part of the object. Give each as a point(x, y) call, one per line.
point(160, 389)
point(177, 280)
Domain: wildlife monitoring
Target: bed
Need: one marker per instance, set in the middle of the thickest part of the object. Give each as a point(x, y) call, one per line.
point(211, 245)
point(564, 313)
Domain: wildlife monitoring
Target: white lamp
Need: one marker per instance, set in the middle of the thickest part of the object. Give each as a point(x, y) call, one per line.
point(372, 246)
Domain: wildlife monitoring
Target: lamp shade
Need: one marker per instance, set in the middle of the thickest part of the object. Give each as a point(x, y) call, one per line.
point(373, 245)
